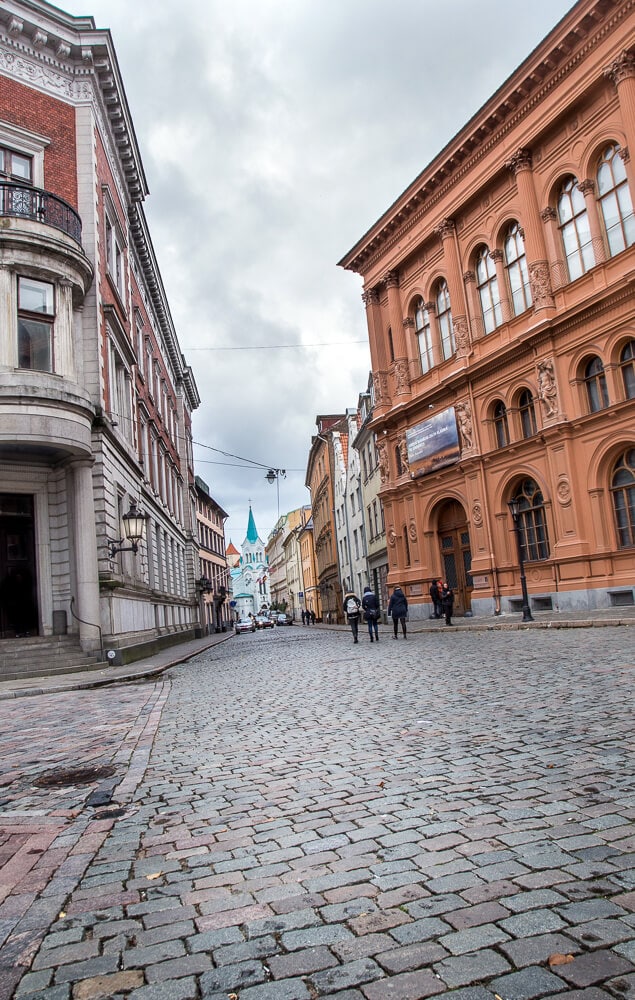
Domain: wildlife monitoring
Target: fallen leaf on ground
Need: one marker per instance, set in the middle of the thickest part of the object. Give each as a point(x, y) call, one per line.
point(154, 875)
point(558, 959)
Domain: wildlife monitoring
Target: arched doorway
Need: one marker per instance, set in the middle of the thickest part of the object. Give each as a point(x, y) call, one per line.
point(456, 554)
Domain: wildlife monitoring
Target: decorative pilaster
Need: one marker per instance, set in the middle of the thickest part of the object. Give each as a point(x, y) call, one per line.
point(395, 313)
point(622, 72)
point(446, 230)
point(377, 341)
point(8, 319)
point(532, 228)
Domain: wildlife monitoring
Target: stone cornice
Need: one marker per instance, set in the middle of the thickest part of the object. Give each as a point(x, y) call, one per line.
point(560, 52)
point(68, 58)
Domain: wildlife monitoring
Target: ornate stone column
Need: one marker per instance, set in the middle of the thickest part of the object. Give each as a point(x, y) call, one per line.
point(597, 240)
point(506, 309)
point(473, 303)
point(622, 73)
point(395, 313)
point(377, 341)
point(85, 549)
point(533, 233)
point(446, 230)
point(539, 276)
point(412, 349)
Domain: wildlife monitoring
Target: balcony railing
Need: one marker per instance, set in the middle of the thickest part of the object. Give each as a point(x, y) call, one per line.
point(21, 201)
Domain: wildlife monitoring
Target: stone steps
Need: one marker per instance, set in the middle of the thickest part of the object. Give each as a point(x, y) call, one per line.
point(39, 656)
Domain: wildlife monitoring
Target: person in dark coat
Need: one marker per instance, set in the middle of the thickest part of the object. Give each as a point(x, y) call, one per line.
point(398, 608)
point(435, 597)
point(447, 600)
point(352, 604)
point(312, 617)
point(370, 607)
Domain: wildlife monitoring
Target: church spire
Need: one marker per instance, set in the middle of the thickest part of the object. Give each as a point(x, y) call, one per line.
point(252, 534)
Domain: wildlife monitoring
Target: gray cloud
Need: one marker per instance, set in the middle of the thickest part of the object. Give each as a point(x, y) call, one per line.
point(273, 134)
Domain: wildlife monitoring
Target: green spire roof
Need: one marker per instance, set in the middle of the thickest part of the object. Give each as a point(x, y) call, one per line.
point(252, 534)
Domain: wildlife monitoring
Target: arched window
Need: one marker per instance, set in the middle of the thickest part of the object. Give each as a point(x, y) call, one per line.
point(574, 228)
point(527, 413)
point(627, 366)
point(398, 462)
point(615, 201)
point(596, 391)
point(623, 491)
point(444, 318)
point(531, 521)
point(501, 426)
point(423, 331)
point(487, 285)
point(516, 267)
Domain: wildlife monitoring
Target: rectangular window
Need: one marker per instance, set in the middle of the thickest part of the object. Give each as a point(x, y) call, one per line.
point(36, 315)
point(114, 254)
point(16, 166)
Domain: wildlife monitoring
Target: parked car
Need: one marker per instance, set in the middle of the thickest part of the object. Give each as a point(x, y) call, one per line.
point(244, 625)
point(263, 621)
point(284, 619)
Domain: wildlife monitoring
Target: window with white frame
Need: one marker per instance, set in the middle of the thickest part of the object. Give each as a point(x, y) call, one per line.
point(36, 319)
point(444, 319)
point(15, 166)
point(423, 331)
point(115, 244)
point(121, 394)
point(575, 229)
point(615, 200)
point(516, 268)
point(488, 293)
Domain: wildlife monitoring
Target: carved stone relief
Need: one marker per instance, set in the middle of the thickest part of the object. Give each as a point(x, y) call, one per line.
point(466, 431)
point(548, 388)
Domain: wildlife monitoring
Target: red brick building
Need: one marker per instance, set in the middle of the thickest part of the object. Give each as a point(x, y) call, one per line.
point(501, 317)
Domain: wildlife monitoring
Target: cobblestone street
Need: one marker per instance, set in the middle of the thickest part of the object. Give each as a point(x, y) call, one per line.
point(291, 816)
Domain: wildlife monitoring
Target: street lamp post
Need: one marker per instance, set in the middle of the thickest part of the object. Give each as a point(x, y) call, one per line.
point(274, 476)
point(514, 510)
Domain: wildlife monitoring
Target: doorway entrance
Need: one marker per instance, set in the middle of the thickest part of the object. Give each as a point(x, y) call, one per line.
point(456, 555)
point(18, 584)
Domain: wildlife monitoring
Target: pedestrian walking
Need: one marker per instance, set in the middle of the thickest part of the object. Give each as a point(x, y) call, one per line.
point(303, 617)
point(435, 597)
point(398, 608)
point(312, 617)
point(352, 604)
point(447, 600)
point(370, 607)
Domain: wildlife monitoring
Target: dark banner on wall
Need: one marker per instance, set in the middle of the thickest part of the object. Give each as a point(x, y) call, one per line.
point(434, 442)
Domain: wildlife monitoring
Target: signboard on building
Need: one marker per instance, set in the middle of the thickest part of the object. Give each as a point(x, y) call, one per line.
point(434, 442)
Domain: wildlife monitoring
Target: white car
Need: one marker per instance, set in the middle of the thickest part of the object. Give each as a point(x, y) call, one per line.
point(244, 625)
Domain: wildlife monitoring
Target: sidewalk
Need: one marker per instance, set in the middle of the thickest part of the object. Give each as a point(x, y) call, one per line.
point(174, 655)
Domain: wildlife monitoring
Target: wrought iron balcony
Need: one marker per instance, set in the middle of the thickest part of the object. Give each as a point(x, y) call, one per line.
point(21, 201)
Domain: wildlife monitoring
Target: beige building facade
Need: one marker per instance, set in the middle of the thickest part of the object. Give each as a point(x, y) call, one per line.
point(501, 318)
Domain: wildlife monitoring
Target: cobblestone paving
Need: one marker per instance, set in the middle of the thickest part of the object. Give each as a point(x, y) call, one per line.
point(306, 818)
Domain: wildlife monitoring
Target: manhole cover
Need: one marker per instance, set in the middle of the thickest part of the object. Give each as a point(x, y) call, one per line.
point(74, 776)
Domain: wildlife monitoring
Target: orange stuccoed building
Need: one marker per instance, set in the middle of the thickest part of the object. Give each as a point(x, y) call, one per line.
point(500, 299)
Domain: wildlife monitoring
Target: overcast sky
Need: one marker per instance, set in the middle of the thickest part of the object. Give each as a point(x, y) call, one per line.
point(273, 134)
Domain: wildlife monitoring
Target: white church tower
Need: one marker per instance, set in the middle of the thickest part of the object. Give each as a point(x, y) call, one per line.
point(250, 579)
